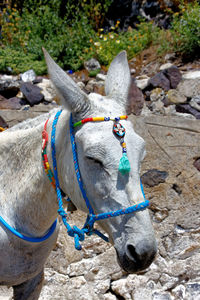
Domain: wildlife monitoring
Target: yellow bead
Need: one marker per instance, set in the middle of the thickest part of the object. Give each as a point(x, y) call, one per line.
point(123, 117)
point(98, 119)
point(47, 165)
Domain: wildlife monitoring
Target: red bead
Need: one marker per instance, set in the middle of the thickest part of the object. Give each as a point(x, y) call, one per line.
point(86, 120)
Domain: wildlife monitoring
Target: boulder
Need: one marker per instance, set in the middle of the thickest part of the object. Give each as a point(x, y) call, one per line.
point(189, 87)
point(192, 75)
point(12, 103)
point(159, 80)
point(32, 93)
point(9, 86)
point(165, 66)
point(186, 108)
point(157, 94)
point(153, 177)
point(142, 81)
point(92, 64)
point(175, 97)
point(136, 99)
point(195, 102)
point(28, 76)
point(174, 76)
point(47, 90)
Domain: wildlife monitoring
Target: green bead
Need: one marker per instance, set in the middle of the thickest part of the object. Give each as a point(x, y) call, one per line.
point(124, 165)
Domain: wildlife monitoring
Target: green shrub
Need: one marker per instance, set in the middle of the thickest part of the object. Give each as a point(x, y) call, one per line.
point(108, 45)
point(186, 30)
point(20, 62)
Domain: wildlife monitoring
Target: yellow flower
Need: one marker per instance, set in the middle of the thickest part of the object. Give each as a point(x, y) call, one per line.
point(97, 44)
point(118, 21)
point(101, 29)
point(117, 41)
point(101, 36)
point(100, 47)
point(112, 27)
point(111, 36)
point(91, 40)
point(105, 38)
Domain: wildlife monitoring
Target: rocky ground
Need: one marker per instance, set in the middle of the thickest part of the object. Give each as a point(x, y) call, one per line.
point(166, 106)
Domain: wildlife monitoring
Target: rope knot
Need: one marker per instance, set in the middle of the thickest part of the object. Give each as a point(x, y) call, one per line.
point(61, 212)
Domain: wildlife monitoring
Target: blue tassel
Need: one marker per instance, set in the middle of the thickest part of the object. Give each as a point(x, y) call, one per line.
point(124, 165)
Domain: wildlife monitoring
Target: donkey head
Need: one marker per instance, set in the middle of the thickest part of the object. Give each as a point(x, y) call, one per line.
point(99, 153)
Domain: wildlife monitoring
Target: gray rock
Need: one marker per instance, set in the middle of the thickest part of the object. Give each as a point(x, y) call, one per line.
point(195, 102)
point(136, 99)
point(100, 77)
point(81, 85)
point(170, 56)
point(32, 93)
point(159, 80)
point(133, 71)
point(165, 66)
point(162, 296)
point(12, 103)
point(153, 177)
point(92, 64)
point(193, 290)
point(157, 94)
point(175, 97)
point(189, 87)
point(9, 85)
point(142, 81)
point(192, 75)
point(157, 107)
point(186, 108)
point(28, 76)
point(174, 76)
point(47, 90)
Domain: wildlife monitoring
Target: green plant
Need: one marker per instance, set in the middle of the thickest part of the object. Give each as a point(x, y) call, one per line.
point(186, 30)
point(107, 45)
point(94, 73)
point(18, 62)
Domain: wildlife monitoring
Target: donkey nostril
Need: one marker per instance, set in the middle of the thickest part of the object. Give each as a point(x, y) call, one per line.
point(131, 253)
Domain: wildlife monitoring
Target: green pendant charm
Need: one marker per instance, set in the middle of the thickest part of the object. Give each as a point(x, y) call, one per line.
point(124, 165)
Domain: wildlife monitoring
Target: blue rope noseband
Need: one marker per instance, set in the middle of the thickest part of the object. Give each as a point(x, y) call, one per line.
point(79, 234)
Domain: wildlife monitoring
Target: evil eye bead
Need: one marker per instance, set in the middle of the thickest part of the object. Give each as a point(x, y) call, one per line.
point(119, 130)
point(107, 119)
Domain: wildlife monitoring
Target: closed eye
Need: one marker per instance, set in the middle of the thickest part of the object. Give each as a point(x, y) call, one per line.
point(95, 160)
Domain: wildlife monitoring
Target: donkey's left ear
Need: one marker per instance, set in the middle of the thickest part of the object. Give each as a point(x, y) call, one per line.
point(118, 79)
point(72, 97)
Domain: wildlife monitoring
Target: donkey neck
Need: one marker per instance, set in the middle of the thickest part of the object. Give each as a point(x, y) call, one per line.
point(27, 199)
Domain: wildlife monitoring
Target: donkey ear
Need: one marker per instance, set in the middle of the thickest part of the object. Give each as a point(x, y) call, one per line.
point(118, 78)
point(71, 96)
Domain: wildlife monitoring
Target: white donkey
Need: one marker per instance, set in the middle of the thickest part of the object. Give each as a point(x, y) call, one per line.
point(28, 202)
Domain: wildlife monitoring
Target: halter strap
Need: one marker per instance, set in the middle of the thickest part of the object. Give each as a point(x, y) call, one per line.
point(79, 234)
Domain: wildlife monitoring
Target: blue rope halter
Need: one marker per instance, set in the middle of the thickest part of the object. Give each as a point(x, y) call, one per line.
point(79, 234)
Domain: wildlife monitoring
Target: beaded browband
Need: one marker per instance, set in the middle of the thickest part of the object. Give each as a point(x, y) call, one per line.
point(119, 131)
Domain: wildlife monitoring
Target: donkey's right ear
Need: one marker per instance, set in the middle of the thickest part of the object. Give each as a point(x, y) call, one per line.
point(71, 96)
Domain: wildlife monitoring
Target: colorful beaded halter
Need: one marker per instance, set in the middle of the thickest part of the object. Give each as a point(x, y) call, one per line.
point(88, 228)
